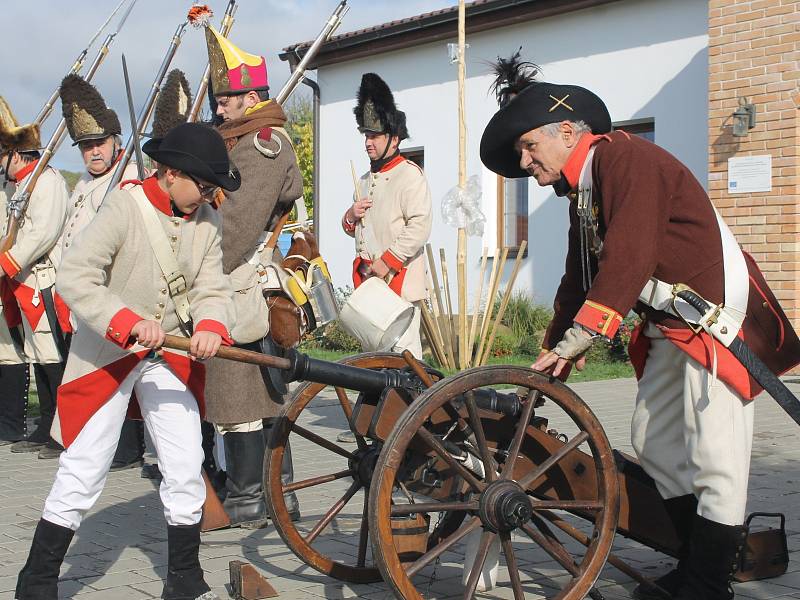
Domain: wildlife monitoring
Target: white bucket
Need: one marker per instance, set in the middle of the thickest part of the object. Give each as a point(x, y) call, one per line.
point(376, 316)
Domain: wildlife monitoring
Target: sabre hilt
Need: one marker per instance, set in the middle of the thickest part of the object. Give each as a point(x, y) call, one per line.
point(694, 300)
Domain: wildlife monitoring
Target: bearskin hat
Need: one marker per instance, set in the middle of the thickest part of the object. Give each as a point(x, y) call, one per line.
point(173, 105)
point(376, 111)
point(14, 136)
point(86, 113)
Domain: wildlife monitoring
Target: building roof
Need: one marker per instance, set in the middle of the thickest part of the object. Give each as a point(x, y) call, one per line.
point(481, 15)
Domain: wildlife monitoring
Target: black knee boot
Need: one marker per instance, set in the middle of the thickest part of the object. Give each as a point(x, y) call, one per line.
point(681, 511)
point(287, 473)
point(713, 557)
point(14, 384)
point(244, 458)
point(48, 378)
point(130, 449)
point(184, 574)
point(38, 579)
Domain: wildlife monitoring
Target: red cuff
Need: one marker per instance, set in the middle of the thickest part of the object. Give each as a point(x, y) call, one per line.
point(346, 226)
point(394, 263)
point(215, 327)
point(9, 265)
point(119, 329)
point(598, 318)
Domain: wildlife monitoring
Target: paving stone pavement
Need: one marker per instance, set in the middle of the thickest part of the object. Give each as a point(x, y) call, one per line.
point(120, 550)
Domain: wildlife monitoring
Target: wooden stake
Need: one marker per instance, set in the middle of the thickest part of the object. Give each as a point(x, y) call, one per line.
point(355, 180)
point(446, 284)
point(494, 284)
point(504, 302)
point(461, 256)
point(438, 294)
point(430, 332)
point(461, 273)
point(476, 305)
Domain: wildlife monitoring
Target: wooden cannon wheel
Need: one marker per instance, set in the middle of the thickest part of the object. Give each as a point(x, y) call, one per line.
point(309, 543)
point(539, 481)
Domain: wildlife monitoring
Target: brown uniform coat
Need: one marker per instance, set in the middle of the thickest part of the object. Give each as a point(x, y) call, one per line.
point(236, 392)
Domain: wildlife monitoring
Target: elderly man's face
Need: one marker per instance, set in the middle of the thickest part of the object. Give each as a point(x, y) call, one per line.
point(543, 155)
point(98, 155)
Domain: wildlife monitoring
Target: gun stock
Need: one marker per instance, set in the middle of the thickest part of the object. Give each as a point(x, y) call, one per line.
point(214, 515)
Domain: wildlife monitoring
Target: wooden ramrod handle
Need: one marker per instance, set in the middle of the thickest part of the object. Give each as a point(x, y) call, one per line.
point(229, 353)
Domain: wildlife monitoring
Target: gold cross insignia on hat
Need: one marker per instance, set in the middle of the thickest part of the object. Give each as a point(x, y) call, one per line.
point(560, 102)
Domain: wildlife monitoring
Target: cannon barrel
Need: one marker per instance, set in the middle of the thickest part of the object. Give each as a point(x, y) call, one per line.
point(305, 368)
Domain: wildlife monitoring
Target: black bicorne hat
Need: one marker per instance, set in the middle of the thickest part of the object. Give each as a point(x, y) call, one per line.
point(197, 150)
point(527, 104)
point(86, 113)
point(376, 111)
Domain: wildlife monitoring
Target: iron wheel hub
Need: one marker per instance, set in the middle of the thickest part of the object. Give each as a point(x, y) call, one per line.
point(504, 506)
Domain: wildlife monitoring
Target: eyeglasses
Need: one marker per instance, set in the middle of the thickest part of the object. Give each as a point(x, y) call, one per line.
point(207, 191)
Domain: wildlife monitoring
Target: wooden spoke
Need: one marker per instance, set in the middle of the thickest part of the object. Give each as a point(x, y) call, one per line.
point(363, 533)
point(399, 510)
point(321, 441)
point(556, 551)
point(306, 483)
point(480, 437)
point(554, 458)
point(442, 547)
point(511, 564)
point(516, 441)
point(480, 559)
point(334, 510)
point(437, 446)
point(341, 394)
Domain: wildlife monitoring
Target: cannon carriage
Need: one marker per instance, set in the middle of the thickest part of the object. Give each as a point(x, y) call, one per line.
point(502, 454)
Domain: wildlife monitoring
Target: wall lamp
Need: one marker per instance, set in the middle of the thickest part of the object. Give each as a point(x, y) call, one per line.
point(744, 118)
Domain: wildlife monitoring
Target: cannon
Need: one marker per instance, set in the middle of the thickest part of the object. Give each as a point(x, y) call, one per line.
point(501, 450)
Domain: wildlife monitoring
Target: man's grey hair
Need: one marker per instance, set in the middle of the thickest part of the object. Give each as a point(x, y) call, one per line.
point(117, 140)
point(553, 129)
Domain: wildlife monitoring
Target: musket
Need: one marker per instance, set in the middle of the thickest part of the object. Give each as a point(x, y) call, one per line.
point(224, 29)
point(78, 64)
point(147, 108)
point(327, 31)
point(19, 202)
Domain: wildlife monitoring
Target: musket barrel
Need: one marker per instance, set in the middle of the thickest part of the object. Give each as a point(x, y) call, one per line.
point(147, 108)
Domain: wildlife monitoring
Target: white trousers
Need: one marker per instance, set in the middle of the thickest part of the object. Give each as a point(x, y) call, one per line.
point(690, 436)
point(410, 340)
point(172, 418)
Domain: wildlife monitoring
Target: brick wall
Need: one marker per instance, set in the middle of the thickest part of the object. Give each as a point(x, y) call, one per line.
point(754, 51)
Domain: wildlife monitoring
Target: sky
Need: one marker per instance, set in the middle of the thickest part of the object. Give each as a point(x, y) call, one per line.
point(47, 35)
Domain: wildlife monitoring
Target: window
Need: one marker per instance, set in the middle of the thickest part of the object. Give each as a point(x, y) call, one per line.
point(415, 155)
point(645, 128)
point(512, 213)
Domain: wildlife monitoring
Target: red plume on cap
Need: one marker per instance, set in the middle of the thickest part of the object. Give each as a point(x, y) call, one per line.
point(200, 15)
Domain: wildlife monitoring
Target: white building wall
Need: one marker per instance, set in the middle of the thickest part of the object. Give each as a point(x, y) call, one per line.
point(645, 58)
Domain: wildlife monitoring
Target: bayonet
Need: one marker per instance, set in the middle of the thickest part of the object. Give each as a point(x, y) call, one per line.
point(134, 127)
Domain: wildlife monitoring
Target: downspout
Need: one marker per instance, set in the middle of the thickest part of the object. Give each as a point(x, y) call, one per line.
point(315, 132)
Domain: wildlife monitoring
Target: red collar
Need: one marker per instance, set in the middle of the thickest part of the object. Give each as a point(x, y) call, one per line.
point(392, 163)
point(158, 197)
point(24, 171)
point(572, 170)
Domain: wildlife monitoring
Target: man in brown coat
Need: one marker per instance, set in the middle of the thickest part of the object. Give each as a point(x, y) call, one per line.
point(240, 400)
point(639, 224)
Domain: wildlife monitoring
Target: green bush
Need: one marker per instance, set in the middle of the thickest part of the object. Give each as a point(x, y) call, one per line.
point(531, 345)
point(523, 316)
point(504, 345)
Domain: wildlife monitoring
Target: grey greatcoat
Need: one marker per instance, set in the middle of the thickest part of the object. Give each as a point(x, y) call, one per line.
point(236, 392)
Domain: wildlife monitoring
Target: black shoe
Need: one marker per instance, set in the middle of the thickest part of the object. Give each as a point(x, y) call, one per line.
point(121, 466)
point(52, 449)
point(14, 384)
point(184, 574)
point(681, 512)
point(38, 579)
point(713, 559)
point(244, 459)
point(27, 446)
point(151, 471)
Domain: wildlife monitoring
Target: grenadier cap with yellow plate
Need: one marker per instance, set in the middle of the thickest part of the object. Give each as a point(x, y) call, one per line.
point(16, 137)
point(376, 111)
point(173, 105)
point(86, 113)
point(233, 71)
point(527, 104)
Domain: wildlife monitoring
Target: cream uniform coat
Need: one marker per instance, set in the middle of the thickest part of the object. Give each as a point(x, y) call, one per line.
point(111, 279)
point(10, 354)
point(399, 223)
point(33, 260)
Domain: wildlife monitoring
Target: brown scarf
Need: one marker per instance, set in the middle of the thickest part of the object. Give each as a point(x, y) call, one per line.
point(270, 115)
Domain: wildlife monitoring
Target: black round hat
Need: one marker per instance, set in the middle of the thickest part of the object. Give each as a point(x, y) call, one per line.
point(538, 104)
point(197, 150)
